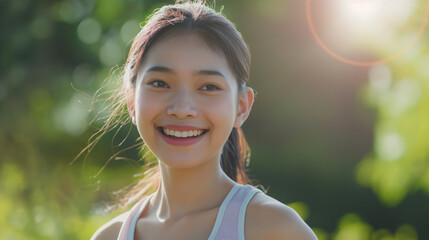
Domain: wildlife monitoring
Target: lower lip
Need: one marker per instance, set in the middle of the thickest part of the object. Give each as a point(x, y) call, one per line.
point(181, 141)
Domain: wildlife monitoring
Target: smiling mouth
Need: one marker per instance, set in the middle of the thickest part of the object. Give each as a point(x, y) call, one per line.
point(181, 135)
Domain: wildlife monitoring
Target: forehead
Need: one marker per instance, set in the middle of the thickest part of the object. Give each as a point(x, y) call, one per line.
point(186, 52)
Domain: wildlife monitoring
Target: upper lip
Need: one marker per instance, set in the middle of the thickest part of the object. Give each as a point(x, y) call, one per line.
point(182, 127)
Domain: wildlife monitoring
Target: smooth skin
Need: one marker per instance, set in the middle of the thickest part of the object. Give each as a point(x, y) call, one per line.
point(185, 82)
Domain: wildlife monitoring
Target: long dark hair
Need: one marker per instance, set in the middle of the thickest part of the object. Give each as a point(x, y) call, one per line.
point(221, 35)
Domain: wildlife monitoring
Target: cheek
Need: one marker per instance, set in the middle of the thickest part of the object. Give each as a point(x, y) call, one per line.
point(221, 110)
point(147, 107)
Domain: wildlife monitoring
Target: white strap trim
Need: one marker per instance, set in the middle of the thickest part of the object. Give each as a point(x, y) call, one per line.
point(242, 213)
point(132, 226)
point(121, 231)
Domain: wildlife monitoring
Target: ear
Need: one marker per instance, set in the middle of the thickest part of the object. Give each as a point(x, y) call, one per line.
point(131, 105)
point(245, 103)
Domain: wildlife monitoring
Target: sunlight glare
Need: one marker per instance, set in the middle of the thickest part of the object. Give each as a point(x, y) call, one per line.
point(369, 15)
point(363, 9)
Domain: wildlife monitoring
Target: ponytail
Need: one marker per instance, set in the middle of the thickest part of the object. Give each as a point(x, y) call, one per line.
point(236, 156)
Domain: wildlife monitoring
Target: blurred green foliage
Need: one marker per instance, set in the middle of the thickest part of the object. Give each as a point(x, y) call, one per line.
point(399, 91)
point(335, 131)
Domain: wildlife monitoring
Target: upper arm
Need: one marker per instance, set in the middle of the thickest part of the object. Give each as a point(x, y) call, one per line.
point(110, 230)
point(289, 225)
point(271, 219)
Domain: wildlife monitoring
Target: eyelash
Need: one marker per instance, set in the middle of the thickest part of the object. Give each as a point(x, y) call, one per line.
point(152, 84)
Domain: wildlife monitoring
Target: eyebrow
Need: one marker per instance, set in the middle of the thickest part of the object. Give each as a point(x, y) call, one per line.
point(206, 72)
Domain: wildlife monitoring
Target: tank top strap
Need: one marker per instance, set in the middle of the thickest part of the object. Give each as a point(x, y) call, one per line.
point(229, 223)
point(232, 223)
point(128, 227)
point(249, 195)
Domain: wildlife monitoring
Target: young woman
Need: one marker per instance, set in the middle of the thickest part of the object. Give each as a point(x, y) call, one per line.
point(184, 84)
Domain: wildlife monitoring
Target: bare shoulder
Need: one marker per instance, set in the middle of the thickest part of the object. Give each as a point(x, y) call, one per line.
point(110, 230)
point(267, 218)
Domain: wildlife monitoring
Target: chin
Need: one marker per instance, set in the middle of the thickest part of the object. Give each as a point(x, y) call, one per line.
point(180, 162)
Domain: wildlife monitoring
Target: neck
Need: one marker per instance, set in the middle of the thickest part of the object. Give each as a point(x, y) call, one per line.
point(190, 190)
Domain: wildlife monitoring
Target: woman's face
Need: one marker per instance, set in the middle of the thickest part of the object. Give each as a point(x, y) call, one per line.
point(186, 87)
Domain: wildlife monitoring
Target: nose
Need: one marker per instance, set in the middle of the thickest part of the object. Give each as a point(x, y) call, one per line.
point(182, 105)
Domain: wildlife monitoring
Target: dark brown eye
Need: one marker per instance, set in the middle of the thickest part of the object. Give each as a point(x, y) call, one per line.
point(158, 84)
point(210, 87)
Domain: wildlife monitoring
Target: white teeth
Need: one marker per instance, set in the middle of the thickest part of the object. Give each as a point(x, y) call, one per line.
point(183, 134)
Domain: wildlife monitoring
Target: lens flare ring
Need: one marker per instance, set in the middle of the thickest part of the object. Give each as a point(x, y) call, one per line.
point(362, 63)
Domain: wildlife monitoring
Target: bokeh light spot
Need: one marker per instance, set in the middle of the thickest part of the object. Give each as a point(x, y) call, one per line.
point(391, 181)
point(390, 146)
point(352, 228)
point(110, 52)
point(406, 232)
point(89, 31)
point(404, 94)
point(70, 11)
point(129, 30)
point(72, 118)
